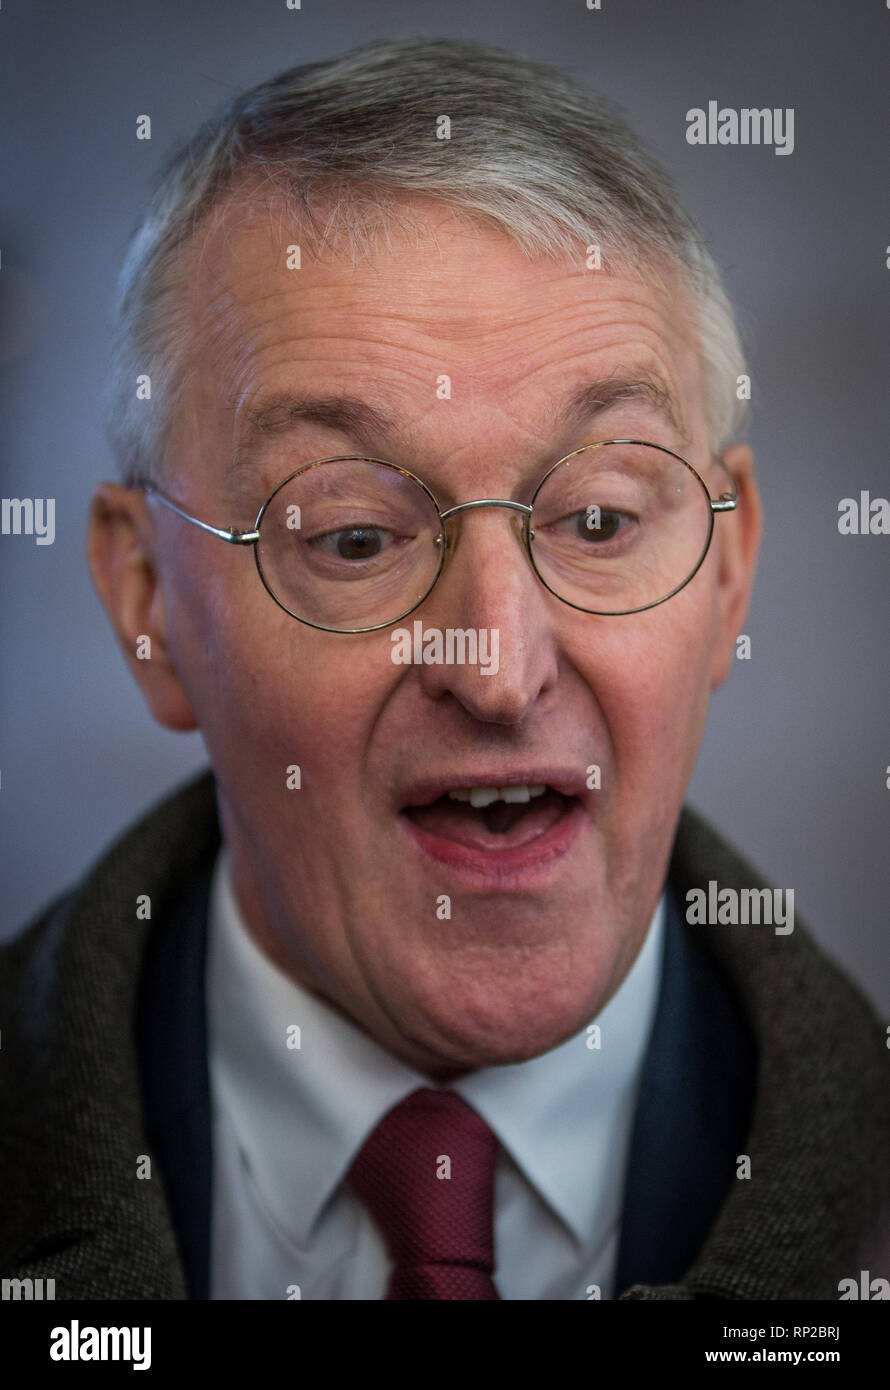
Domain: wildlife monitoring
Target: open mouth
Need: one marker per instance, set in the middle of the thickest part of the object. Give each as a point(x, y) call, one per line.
point(491, 818)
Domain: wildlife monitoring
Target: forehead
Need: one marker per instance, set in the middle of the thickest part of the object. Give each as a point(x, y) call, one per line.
point(426, 289)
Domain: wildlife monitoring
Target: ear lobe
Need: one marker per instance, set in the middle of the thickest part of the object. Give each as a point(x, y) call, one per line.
point(739, 540)
point(121, 559)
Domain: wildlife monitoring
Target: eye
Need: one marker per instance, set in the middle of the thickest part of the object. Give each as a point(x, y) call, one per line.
point(595, 525)
point(353, 542)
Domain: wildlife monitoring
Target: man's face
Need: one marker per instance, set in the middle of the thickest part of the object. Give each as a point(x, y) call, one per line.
point(340, 880)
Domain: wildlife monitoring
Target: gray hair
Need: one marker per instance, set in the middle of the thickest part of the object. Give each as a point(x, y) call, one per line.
point(552, 165)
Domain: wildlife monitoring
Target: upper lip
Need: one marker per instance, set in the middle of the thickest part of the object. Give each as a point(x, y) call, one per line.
point(568, 781)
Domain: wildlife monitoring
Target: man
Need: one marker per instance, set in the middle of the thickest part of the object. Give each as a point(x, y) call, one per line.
point(413, 996)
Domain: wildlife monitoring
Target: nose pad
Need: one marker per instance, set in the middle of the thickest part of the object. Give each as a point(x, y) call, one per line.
point(451, 533)
point(522, 528)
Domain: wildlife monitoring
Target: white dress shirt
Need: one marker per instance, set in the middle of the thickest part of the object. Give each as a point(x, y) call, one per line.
point(287, 1122)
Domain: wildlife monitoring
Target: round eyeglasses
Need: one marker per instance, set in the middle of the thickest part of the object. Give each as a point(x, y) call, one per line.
point(353, 544)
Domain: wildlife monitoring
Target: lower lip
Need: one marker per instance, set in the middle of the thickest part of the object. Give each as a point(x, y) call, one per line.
point(522, 867)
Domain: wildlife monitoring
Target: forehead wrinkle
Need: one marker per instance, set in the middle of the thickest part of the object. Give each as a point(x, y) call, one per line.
point(262, 304)
point(238, 322)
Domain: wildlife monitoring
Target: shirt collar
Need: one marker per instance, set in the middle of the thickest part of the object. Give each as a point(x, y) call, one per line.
point(300, 1114)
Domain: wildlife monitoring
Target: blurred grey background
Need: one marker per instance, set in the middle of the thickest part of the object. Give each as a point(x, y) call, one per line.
point(793, 768)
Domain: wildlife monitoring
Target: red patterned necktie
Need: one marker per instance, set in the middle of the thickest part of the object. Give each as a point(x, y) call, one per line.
point(426, 1174)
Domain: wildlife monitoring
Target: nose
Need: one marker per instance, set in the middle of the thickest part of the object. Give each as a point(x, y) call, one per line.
point(488, 591)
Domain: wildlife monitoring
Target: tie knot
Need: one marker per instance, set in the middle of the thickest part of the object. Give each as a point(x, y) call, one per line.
point(426, 1174)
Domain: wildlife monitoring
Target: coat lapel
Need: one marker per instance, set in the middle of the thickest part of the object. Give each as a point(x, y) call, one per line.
point(693, 1113)
point(171, 1035)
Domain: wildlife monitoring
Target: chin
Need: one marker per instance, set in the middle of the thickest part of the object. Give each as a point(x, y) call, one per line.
point(501, 1036)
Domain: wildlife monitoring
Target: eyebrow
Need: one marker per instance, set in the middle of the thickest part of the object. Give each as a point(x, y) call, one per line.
point(596, 397)
point(284, 413)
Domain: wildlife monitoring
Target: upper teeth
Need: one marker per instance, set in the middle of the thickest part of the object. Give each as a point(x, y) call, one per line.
point(484, 796)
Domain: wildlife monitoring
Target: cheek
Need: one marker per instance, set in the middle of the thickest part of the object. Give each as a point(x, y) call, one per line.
point(259, 680)
point(225, 646)
point(652, 683)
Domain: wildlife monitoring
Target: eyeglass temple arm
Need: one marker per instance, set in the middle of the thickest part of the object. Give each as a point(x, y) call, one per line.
point(232, 536)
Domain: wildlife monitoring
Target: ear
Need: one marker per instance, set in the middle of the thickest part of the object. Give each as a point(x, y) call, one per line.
point(121, 557)
point(740, 533)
